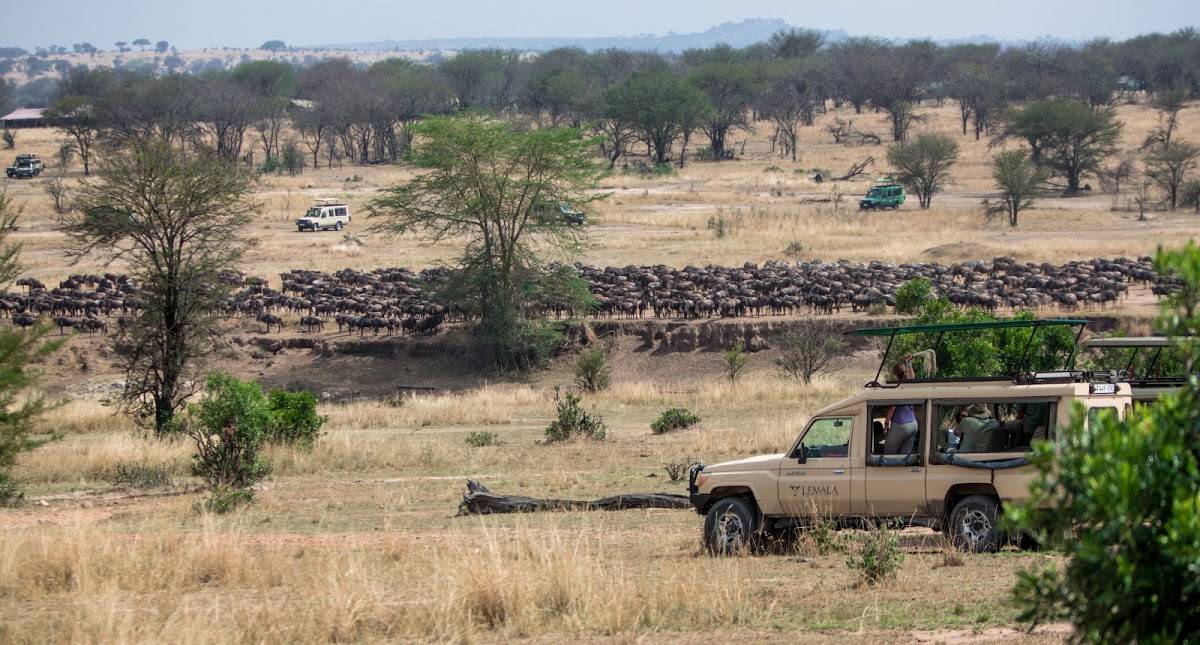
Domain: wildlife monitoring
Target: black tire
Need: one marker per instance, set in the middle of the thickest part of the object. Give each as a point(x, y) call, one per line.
point(972, 524)
point(731, 526)
point(300, 229)
point(337, 227)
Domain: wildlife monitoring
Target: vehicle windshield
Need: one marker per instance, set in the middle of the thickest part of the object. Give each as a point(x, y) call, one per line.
point(875, 192)
point(313, 212)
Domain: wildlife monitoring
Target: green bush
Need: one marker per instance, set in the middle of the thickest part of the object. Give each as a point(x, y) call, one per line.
point(734, 362)
point(1126, 513)
point(229, 426)
point(296, 421)
point(573, 421)
point(912, 295)
point(876, 556)
point(673, 419)
point(482, 438)
point(592, 372)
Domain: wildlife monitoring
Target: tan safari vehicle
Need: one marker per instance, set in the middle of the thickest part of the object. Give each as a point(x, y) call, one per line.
point(1155, 377)
point(324, 215)
point(837, 469)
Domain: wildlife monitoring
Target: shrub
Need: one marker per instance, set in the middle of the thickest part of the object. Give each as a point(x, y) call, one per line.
point(295, 418)
point(677, 469)
point(673, 419)
point(1126, 514)
point(137, 475)
point(482, 438)
point(912, 295)
point(876, 556)
point(592, 372)
point(734, 362)
point(573, 421)
point(229, 426)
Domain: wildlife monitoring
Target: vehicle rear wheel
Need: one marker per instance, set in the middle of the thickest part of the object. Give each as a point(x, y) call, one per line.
point(731, 526)
point(337, 227)
point(973, 524)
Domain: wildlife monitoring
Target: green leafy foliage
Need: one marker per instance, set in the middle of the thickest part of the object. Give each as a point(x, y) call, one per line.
point(592, 372)
point(229, 426)
point(573, 422)
point(482, 438)
point(923, 164)
point(673, 419)
point(994, 352)
point(1125, 511)
point(1068, 138)
point(912, 295)
point(734, 362)
point(876, 555)
point(19, 411)
point(481, 183)
point(295, 417)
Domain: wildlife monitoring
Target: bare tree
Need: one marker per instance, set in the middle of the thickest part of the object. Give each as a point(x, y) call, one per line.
point(812, 347)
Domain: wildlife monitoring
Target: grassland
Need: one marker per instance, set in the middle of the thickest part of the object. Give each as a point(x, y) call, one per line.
point(356, 540)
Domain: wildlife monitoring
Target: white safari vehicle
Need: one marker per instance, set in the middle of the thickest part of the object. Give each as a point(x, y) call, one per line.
point(325, 214)
point(838, 469)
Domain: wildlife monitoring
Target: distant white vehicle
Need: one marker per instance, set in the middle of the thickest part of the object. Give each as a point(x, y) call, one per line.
point(325, 214)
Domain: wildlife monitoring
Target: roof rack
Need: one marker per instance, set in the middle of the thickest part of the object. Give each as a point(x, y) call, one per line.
point(1021, 375)
point(1137, 344)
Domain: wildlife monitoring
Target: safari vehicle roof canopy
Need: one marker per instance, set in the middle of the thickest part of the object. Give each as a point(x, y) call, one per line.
point(1155, 345)
point(1024, 374)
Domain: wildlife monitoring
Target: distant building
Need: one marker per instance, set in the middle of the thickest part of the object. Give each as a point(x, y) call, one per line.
point(24, 118)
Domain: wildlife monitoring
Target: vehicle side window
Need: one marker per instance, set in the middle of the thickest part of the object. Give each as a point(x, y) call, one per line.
point(998, 426)
point(828, 437)
point(902, 435)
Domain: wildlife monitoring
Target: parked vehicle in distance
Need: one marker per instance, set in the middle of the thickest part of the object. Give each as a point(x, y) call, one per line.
point(884, 194)
point(325, 214)
point(560, 211)
point(968, 458)
point(26, 166)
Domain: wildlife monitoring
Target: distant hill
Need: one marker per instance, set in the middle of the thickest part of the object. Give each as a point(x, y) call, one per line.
point(734, 34)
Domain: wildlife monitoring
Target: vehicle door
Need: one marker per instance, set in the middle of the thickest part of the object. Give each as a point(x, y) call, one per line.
point(815, 478)
point(895, 479)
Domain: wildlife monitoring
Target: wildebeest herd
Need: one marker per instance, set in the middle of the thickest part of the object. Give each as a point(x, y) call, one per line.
point(396, 300)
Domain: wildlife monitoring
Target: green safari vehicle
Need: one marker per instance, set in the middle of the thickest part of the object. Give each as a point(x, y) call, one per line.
point(885, 194)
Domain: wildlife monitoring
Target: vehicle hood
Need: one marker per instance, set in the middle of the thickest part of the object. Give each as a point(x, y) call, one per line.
point(761, 462)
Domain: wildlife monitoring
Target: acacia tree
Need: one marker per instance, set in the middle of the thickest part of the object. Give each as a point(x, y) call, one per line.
point(1018, 178)
point(1168, 166)
point(923, 164)
point(487, 183)
point(1068, 138)
point(730, 87)
point(177, 222)
point(76, 116)
point(659, 106)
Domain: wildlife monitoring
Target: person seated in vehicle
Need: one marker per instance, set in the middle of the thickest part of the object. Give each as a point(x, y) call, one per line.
point(976, 430)
point(900, 423)
point(953, 433)
point(1033, 417)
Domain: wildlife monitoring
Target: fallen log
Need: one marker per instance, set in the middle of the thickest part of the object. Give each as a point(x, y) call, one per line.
point(480, 501)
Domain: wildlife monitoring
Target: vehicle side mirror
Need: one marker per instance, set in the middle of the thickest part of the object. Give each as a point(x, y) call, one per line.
point(802, 457)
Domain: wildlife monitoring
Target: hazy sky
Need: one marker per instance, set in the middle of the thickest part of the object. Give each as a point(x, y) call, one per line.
point(248, 23)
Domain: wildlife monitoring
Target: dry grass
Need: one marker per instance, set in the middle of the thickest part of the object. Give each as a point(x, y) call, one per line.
point(355, 539)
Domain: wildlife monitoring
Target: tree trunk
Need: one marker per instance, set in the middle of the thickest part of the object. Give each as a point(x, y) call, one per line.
point(481, 501)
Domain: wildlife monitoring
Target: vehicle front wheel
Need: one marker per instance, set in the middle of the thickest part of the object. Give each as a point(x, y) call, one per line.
point(731, 526)
point(973, 524)
point(300, 228)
